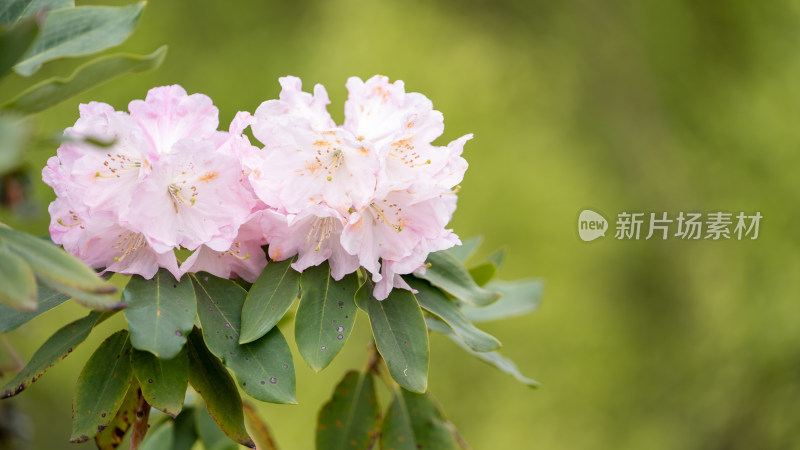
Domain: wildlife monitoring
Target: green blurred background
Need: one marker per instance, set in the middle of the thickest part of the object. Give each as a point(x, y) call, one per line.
point(641, 106)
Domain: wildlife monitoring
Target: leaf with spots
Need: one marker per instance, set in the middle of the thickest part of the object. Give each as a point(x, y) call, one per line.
point(48, 299)
point(263, 367)
point(401, 335)
point(212, 381)
point(415, 421)
point(446, 272)
point(326, 315)
point(163, 381)
point(112, 436)
point(101, 387)
point(268, 300)
point(160, 312)
point(350, 418)
point(55, 348)
point(436, 302)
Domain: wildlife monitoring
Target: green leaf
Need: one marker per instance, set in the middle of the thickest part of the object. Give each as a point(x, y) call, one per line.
point(14, 134)
point(400, 335)
point(483, 273)
point(492, 358)
point(436, 302)
point(210, 435)
point(57, 347)
point(449, 274)
point(79, 31)
point(325, 316)
point(467, 248)
point(112, 436)
point(185, 431)
point(14, 42)
point(52, 91)
point(101, 302)
point(17, 280)
point(415, 421)
point(61, 271)
point(163, 381)
point(519, 297)
point(160, 312)
point(261, 433)
point(161, 438)
point(12, 11)
point(498, 258)
point(268, 300)
point(209, 378)
point(101, 387)
point(264, 367)
point(350, 418)
point(48, 299)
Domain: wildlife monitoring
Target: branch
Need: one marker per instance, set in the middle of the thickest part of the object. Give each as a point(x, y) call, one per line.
point(140, 422)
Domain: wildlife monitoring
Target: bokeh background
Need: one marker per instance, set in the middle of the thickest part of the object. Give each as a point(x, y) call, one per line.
point(638, 106)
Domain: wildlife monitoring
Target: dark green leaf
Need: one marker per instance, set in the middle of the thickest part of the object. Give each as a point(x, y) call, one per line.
point(15, 41)
point(400, 335)
point(268, 300)
point(58, 269)
point(209, 378)
point(163, 381)
point(101, 387)
point(111, 437)
point(449, 274)
point(79, 31)
point(12, 11)
point(56, 348)
point(160, 312)
point(185, 431)
point(259, 428)
point(519, 297)
point(467, 248)
point(161, 438)
point(264, 367)
point(10, 319)
point(436, 302)
point(325, 316)
point(52, 91)
point(18, 283)
point(492, 358)
point(350, 418)
point(415, 421)
point(210, 435)
point(483, 273)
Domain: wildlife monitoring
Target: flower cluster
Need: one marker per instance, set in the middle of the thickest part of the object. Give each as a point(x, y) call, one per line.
point(373, 193)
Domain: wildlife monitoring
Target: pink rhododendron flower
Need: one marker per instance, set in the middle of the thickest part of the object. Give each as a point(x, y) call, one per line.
point(374, 192)
point(307, 160)
point(170, 179)
point(243, 258)
point(314, 235)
